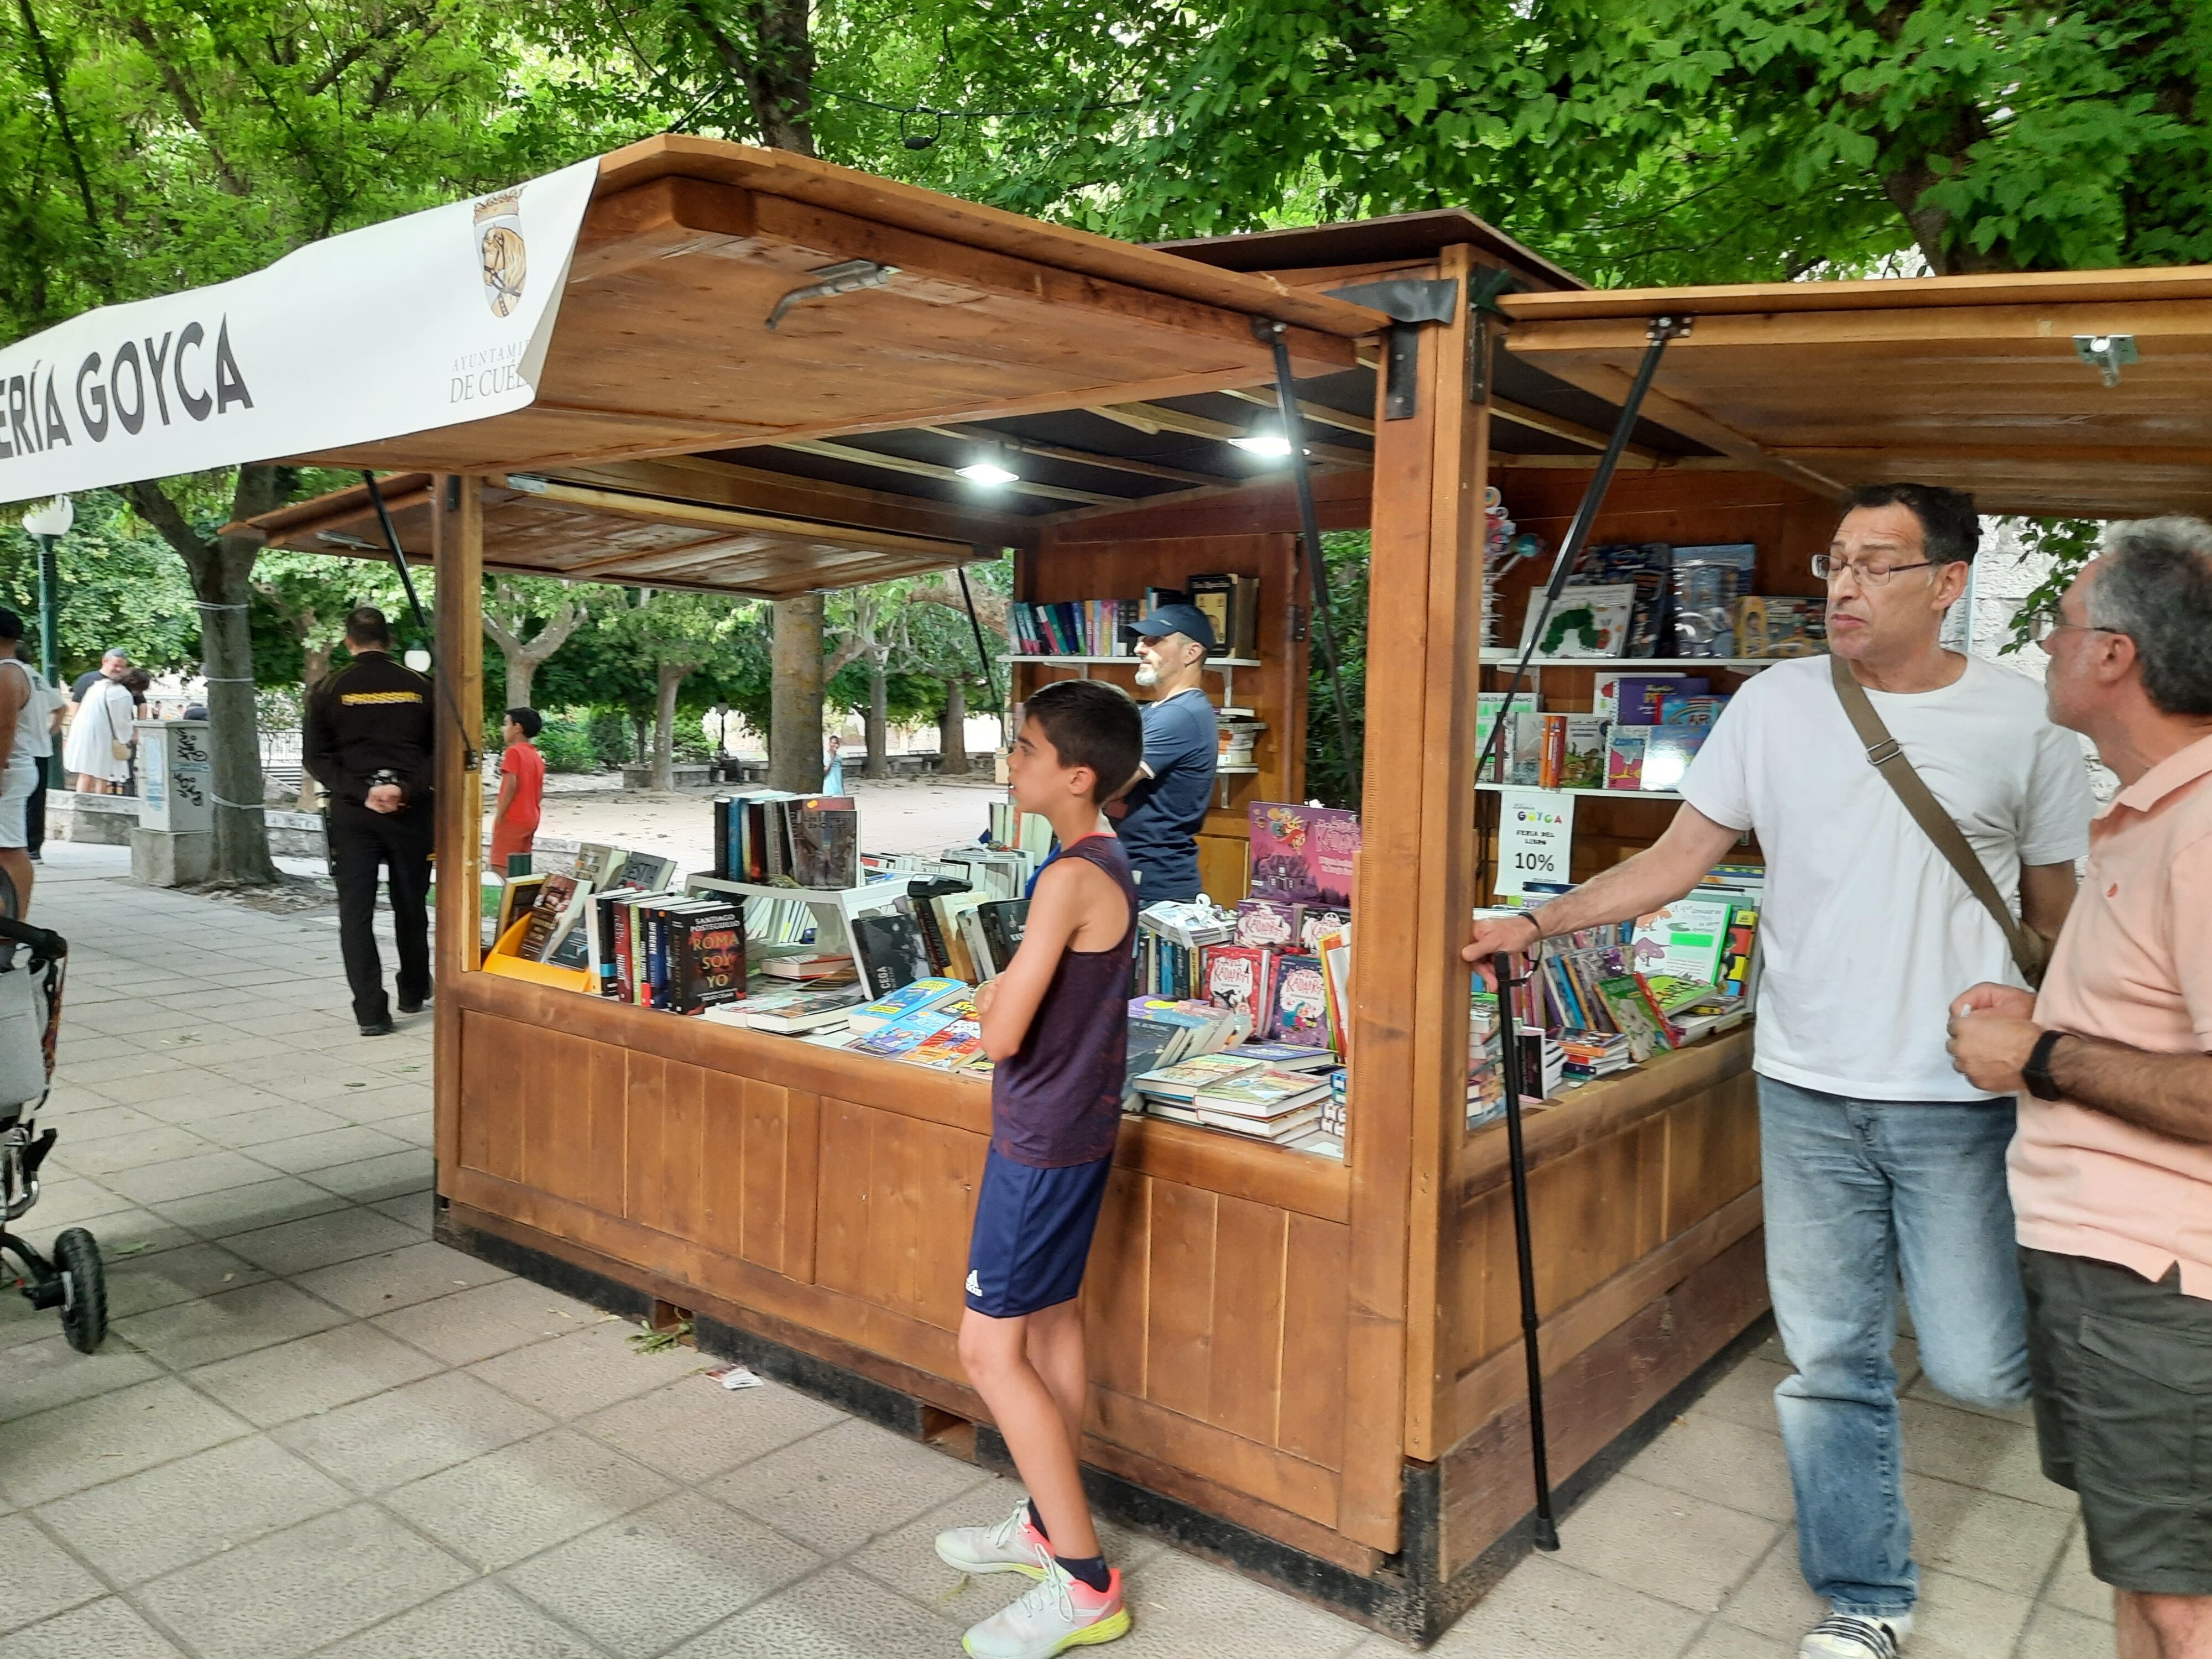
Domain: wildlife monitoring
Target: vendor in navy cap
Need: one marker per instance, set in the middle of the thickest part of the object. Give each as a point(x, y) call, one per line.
point(1158, 817)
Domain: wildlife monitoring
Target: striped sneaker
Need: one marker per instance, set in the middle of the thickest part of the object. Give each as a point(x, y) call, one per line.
point(1857, 1635)
point(1012, 1545)
point(1056, 1613)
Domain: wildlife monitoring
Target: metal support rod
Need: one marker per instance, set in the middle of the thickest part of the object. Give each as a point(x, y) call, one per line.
point(50, 624)
point(1286, 401)
point(1663, 330)
point(471, 759)
point(982, 656)
point(1516, 1163)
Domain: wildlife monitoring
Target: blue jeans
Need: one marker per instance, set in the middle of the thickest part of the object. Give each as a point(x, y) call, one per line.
point(1856, 1192)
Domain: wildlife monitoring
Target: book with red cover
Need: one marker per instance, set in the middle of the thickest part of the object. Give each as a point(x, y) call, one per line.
point(1242, 977)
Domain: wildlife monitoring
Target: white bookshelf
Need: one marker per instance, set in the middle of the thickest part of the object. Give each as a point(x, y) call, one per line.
point(1213, 665)
point(836, 906)
point(1493, 658)
point(1609, 794)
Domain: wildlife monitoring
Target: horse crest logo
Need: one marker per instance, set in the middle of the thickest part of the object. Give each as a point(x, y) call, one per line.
point(500, 252)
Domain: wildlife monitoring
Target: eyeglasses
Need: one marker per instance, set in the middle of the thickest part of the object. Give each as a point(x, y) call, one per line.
point(2048, 624)
point(1827, 566)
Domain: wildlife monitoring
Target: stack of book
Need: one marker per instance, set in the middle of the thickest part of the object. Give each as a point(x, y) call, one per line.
point(1261, 1091)
point(1172, 938)
point(1072, 628)
point(667, 950)
point(1240, 736)
point(787, 841)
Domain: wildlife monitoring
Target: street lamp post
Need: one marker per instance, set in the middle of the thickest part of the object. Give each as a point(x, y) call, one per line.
point(49, 524)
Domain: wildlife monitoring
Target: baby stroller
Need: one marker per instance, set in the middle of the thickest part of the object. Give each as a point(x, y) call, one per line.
point(31, 961)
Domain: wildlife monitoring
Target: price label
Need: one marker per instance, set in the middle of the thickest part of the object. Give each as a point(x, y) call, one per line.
point(1535, 827)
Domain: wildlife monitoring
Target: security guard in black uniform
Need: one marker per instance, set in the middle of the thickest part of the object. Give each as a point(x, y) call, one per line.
point(369, 739)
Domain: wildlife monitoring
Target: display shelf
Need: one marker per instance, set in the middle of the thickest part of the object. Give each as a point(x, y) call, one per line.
point(843, 902)
point(1611, 794)
point(1210, 663)
point(1492, 658)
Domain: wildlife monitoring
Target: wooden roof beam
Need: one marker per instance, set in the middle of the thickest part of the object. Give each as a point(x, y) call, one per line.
point(983, 435)
point(1163, 419)
point(660, 510)
point(1555, 426)
point(1319, 414)
point(930, 469)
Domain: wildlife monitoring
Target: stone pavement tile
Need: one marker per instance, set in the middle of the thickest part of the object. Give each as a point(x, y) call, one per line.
point(391, 1439)
point(107, 1629)
point(1745, 1395)
point(418, 1129)
point(72, 1447)
point(1186, 1608)
point(2001, 1541)
point(585, 1370)
point(83, 1122)
point(160, 1143)
point(41, 1374)
point(1664, 1543)
point(206, 1098)
point(300, 1590)
point(247, 1129)
point(188, 1177)
point(506, 1506)
point(1959, 1618)
point(127, 1236)
point(2055, 1633)
point(392, 1176)
point(142, 1070)
point(234, 1322)
point(1721, 1462)
point(126, 1018)
point(316, 1373)
point(300, 1247)
point(1921, 1389)
point(696, 1428)
point(140, 1283)
point(390, 1101)
point(279, 1023)
point(168, 1517)
point(642, 1583)
point(840, 1488)
point(835, 1614)
point(1774, 1600)
point(42, 1579)
point(472, 1325)
point(314, 1088)
point(2073, 1586)
point(483, 1620)
point(416, 1210)
point(259, 1204)
point(70, 1200)
point(1544, 1610)
point(907, 1559)
point(399, 1278)
point(318, 1152)
point(1974, 1448)
point(1727, 1642)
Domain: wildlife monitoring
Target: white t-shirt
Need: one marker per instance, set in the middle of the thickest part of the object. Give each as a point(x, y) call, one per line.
point(30, 744)
point(1866, 934)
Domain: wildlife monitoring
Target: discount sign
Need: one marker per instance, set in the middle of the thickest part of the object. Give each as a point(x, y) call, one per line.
point(1535, 828)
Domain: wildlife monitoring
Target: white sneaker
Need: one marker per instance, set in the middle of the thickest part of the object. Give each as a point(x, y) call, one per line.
point(1857, 1635)
point(1056, 1613)
point(1012, 1545)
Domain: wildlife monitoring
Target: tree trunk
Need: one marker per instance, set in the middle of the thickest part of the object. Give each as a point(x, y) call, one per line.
point(671, 679)
point(314, 669)
point(221, 573)
point(795, 726)
point(952, 733)
point(521, 671)
point(879, 720)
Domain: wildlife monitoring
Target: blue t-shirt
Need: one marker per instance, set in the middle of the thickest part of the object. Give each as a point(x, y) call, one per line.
point(1182, 744)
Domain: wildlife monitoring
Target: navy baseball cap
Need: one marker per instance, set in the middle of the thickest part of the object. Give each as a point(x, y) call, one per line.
point(1187, 620)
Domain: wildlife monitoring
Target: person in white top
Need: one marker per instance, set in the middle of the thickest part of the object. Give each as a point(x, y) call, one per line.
point(23, 724)
point(1878, 1159)
point(100, 727)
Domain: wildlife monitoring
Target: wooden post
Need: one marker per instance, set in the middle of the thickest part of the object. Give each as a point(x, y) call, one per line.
point(457, 530)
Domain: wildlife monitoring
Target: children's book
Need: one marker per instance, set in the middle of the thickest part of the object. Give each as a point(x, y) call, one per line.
point(1303, 854)
point(907, 999)
point(1183, 1081)
point(1582, 757)
point(1300, 1002)
point(1264, 1093)
point(1267, 923)
point(1286, 1056)
point(903, 1036)
point(1624, 757)
point(960, 1043)
point(1633, 1017)
point(1668, 752)
point(1240, 978)
point(1584, 622)
point(1684, 938)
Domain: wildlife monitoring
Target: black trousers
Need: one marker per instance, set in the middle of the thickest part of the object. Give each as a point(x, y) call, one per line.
point(34, 815)
point(361, 842)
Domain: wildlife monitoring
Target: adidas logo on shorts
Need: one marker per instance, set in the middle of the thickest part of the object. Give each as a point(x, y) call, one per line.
point(975, 1285)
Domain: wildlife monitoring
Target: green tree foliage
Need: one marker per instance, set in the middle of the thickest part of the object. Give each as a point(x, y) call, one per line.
point(121, 585)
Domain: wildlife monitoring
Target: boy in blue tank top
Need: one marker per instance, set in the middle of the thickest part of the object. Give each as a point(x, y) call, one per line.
point(1057, 1023)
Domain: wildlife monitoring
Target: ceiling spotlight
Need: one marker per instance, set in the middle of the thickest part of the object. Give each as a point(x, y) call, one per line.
point(989, 468)
point(1273, 445)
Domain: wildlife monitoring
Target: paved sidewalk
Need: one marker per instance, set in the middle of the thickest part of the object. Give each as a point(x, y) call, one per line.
point(316, 1431)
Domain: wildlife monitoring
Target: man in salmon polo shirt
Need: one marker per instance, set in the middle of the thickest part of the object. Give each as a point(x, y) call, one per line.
point(2111, 1165)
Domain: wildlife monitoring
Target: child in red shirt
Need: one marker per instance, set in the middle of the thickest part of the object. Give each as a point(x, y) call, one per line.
point(521, 788)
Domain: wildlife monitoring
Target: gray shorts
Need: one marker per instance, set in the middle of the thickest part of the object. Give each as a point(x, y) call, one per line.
point(17, 785)
point(2122, 1374)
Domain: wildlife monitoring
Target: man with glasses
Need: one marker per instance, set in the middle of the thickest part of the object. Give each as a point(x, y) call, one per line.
point(1879, 1160)
point(2112, 1170)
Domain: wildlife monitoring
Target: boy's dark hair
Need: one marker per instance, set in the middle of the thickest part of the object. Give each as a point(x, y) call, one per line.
point(1091, 723)
point(11, 624)
point(365, 625)
point(529, 720)
point(1950, 529)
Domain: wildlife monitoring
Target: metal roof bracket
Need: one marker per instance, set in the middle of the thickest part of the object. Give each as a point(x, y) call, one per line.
point(1409, 302)
point(2109, 353)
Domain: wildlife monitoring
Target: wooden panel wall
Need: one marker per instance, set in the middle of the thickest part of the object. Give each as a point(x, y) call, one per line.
point(1076, 562)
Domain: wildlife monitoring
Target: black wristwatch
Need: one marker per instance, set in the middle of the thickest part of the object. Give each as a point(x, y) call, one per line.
point(2036, 1074)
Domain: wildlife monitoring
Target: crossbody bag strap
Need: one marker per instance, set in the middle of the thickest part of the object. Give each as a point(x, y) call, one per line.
point(1887, 757)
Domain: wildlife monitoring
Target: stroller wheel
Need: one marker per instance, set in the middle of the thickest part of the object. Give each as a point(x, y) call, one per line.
point(84, 1303)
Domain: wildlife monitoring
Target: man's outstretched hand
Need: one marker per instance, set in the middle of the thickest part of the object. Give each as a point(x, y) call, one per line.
point(1490, 937)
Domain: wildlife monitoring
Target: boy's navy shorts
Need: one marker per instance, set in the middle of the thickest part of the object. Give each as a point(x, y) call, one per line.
point(1032, 1234)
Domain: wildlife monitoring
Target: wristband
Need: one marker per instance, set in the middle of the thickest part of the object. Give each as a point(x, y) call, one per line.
point(2036, 1072)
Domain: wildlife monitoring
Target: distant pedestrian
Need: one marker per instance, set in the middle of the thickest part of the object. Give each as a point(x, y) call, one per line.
point(368, 740)
point(115, 664)
point(2112, 1167)
point(138, 682)
point(22, 723)
point(833, 774)
point(97, 747)
point(55, 701)
point(521, 788)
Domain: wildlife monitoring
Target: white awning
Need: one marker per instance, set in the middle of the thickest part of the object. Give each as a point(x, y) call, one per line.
point(427, 321)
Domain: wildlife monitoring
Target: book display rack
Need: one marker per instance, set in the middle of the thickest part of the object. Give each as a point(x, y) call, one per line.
point(1311, 1366)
